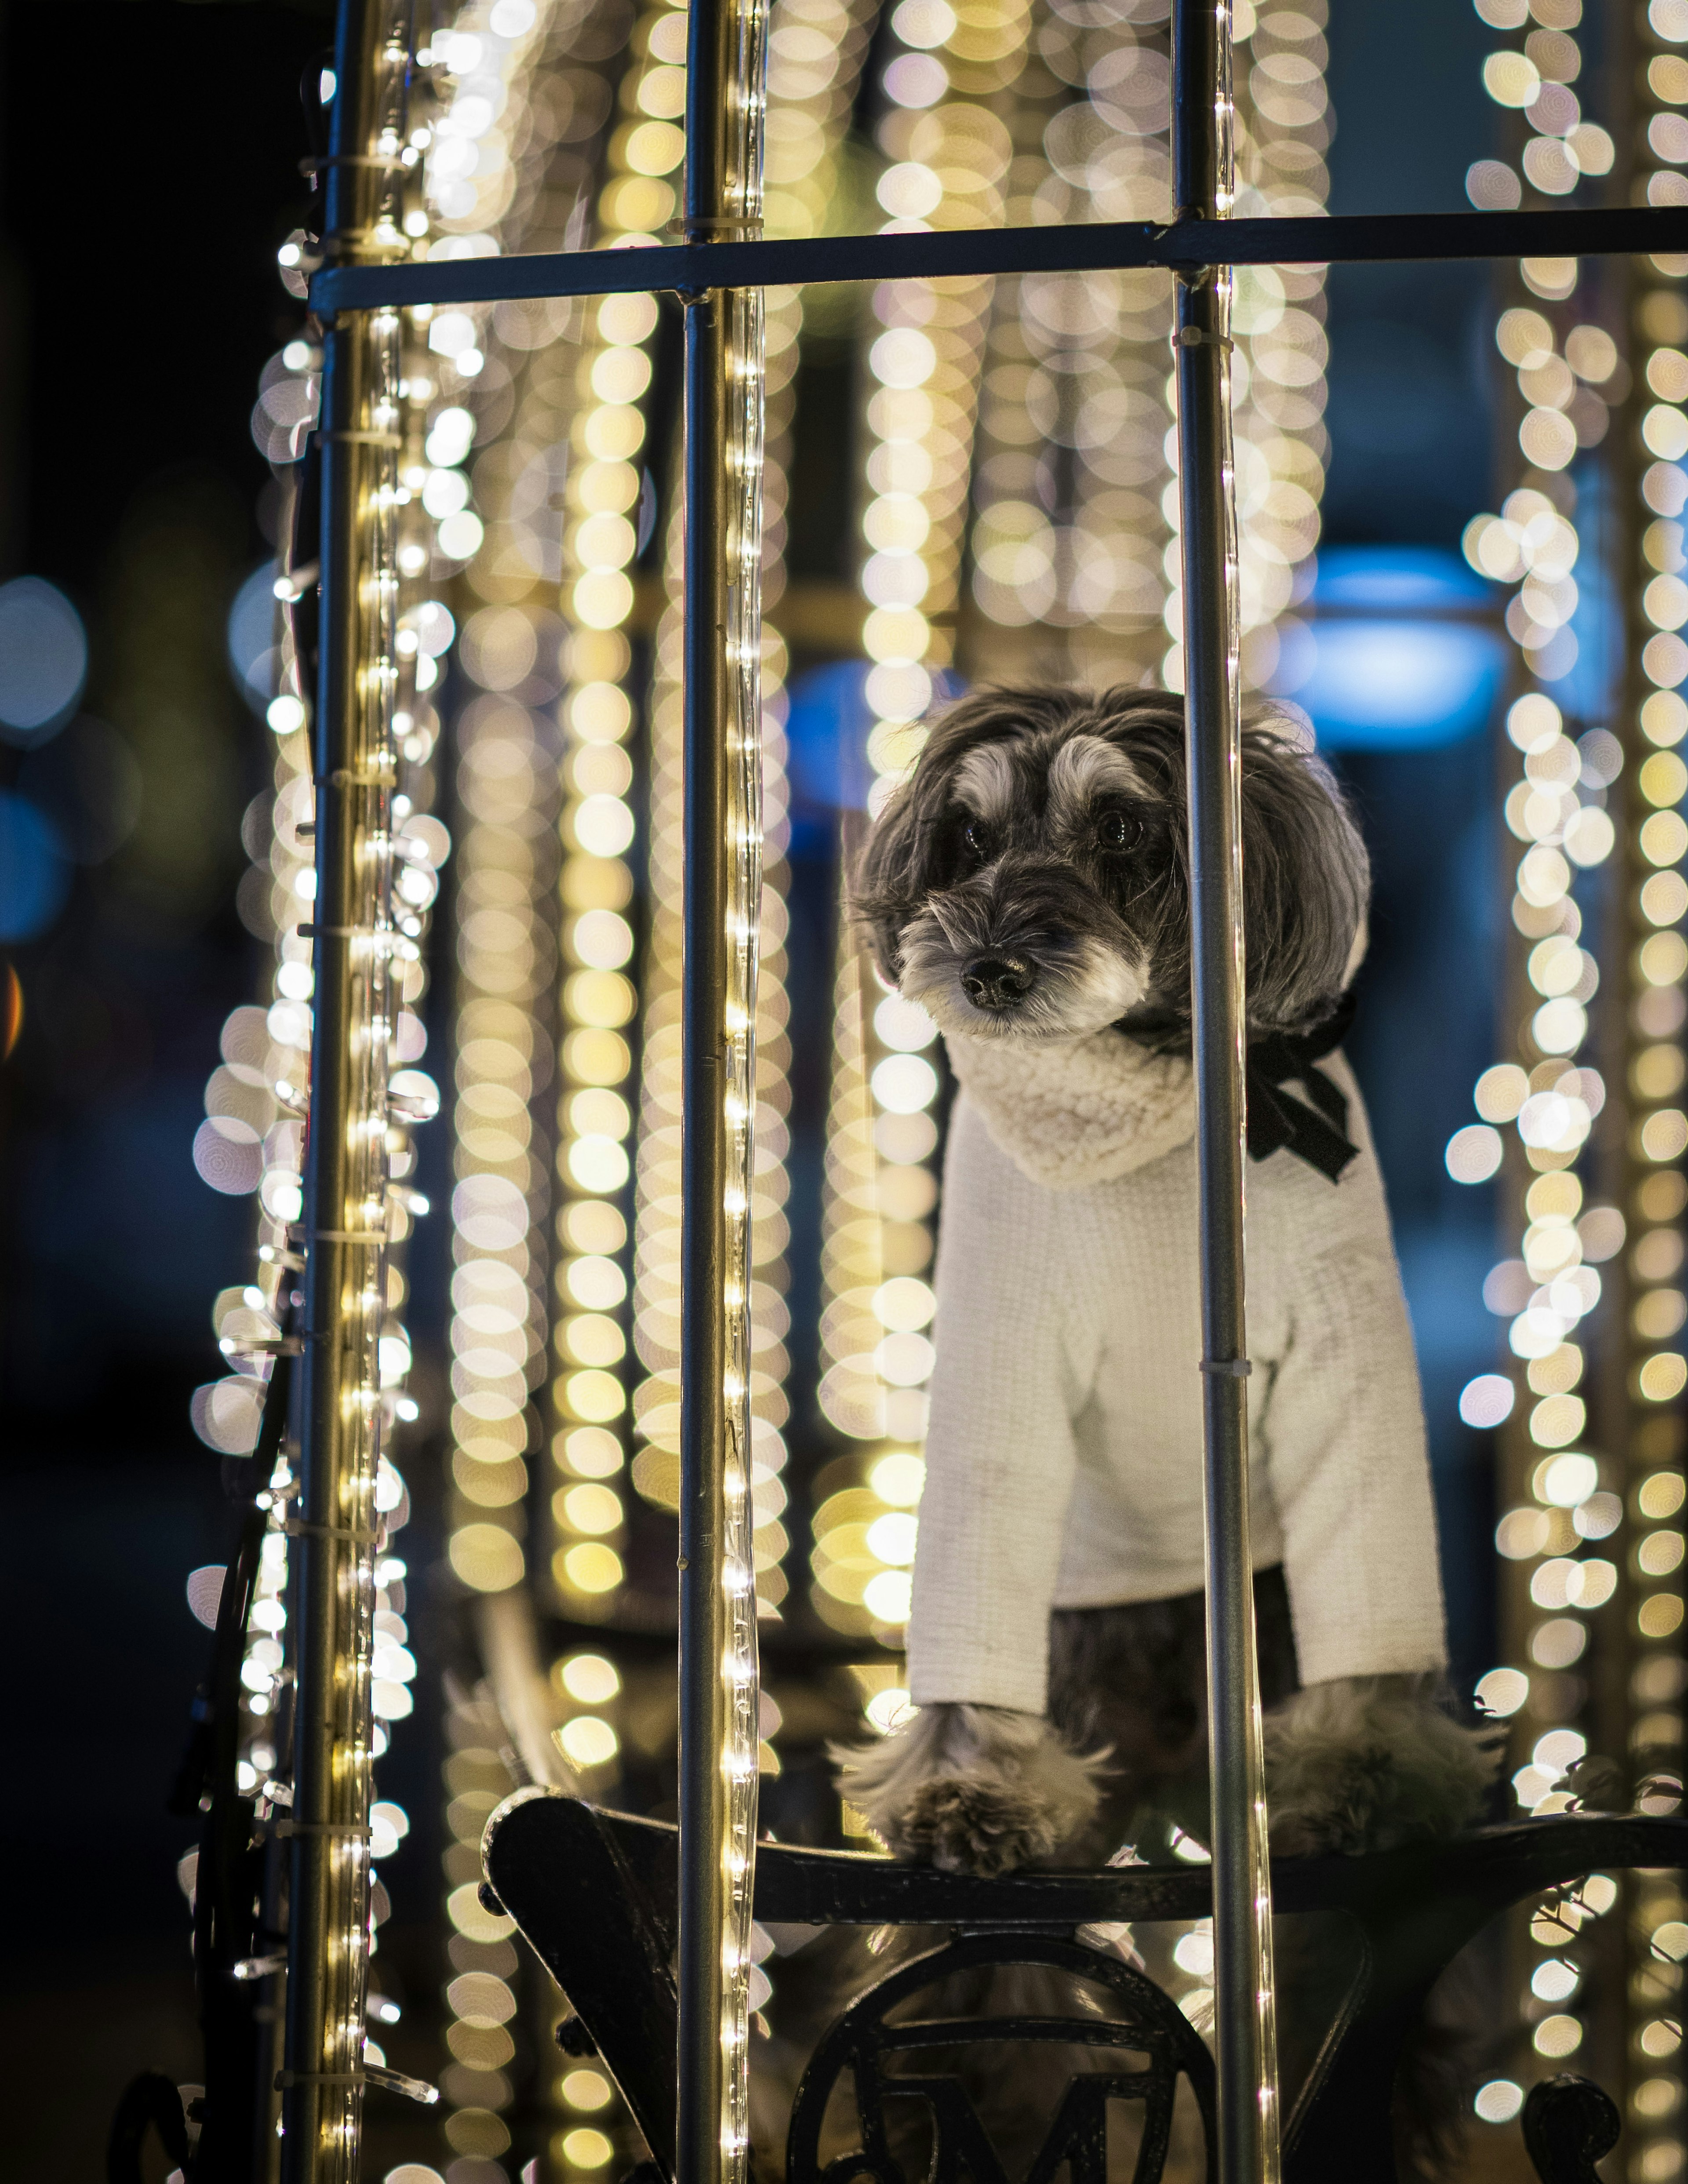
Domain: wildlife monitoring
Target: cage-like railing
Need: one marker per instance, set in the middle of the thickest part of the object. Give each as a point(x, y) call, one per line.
point(718, 269)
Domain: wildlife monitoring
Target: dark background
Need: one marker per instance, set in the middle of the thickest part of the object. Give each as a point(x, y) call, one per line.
point(147, 171)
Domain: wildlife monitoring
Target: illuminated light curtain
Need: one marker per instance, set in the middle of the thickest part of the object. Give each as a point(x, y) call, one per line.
point(948, 78)
point(656, 1331)
point(598, 1117)
point(815, 50)
point(576, 429)
point(877, 1245)
point(1656, 901)
point(1075, 536)
point(1071, 564)
point(1277, 386)
point(1569, 1449)
point(514, 152)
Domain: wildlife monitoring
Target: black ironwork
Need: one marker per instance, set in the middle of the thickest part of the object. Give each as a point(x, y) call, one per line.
point(150, 2102)
point(596, 1893)
point(688, 267)
point(864, 2044)
point(1568, 2125)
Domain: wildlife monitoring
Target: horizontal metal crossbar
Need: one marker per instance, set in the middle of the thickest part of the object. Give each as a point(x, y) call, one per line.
point(690, 268)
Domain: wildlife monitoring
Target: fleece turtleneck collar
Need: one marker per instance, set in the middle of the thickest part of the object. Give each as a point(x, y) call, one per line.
point(1072, 1112)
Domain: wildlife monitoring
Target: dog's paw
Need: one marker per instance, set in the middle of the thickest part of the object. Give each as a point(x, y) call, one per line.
point(1368, 1762)
point(968, 1824)
point(973, 1789)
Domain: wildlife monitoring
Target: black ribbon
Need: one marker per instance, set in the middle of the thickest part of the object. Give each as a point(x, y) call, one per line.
point(1277, 1123)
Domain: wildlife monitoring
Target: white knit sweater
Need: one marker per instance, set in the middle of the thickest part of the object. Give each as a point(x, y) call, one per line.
point(1064, 1453)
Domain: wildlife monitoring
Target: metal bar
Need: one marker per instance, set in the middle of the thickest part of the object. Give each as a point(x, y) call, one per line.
point(1202, 188)
point(688, 267)
point(329, 1881)
point(704, 1725)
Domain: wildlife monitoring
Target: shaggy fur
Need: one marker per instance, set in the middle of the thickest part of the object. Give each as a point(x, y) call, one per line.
point(1361, 1763)
point(973, 1789)
point(1372, 1762)
point(1043, 834)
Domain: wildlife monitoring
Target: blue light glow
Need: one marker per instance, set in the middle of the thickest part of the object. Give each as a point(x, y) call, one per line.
point(252, 636)
point(1386, 665)
point(43, 659)
point(34, 874)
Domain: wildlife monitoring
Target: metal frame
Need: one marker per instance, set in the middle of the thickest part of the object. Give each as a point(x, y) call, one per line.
point(595, 1894)
point(1199, 245)
point(1243, 2022)
point(1180, 246)
point(704, 1728)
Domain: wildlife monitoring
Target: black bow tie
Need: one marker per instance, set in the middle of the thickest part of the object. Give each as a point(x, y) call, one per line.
point(1277, 1123)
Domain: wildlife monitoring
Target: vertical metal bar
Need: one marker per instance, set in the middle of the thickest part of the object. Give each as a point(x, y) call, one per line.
point(321, 2083)
point(1242, 1903)
point(703, 1723)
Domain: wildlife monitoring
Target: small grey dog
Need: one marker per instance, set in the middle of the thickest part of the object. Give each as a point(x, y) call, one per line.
point(1028, 886)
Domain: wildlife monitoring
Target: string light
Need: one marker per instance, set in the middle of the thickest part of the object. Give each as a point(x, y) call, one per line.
point(251, 1141)
point(1578, 1564)
point(1657, 898)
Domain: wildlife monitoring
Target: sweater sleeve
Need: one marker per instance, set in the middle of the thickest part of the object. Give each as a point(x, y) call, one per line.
point(1013, 1370)
point(1344, 1430)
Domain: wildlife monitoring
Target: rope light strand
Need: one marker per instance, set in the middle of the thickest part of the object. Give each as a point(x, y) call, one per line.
point(1655, 842)
point(1565, 1541)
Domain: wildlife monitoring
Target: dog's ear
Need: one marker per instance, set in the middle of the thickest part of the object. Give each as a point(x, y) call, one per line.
point(1306, 880)
point(894, 869)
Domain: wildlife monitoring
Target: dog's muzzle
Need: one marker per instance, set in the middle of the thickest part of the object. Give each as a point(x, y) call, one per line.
point(997, 982)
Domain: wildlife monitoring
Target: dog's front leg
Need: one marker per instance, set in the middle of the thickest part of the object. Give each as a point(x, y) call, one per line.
point(973, 1789)
point(1364, 1762)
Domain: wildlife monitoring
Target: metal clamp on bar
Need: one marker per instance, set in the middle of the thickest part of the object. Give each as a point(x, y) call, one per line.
point(300, 1527)
point(379, 774)
point(384, 160)
point(1238, 1368)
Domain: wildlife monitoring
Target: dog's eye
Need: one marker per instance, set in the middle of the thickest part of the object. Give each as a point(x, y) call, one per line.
point(1118, 830)
point(976, 841)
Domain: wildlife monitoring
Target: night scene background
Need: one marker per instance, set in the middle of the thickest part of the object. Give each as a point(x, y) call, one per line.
point(150, 162)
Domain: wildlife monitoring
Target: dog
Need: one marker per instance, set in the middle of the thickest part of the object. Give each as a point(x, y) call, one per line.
point(1028, 885)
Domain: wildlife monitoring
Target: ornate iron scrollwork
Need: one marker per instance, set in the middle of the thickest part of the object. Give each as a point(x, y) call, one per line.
point(594, 1893)
point(1568, 2125)
point(866, 2043)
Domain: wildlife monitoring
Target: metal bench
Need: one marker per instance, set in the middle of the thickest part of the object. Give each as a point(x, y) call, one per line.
point(595, 1894)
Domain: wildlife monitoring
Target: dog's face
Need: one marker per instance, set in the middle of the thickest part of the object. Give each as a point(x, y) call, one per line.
point(1030, 880)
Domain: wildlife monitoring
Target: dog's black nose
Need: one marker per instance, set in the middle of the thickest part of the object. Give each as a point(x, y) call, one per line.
point(996, 982)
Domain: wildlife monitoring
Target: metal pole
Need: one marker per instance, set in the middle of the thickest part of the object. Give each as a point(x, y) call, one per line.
point(1202, 168)
point(703, 1721)
point(322, 2081)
